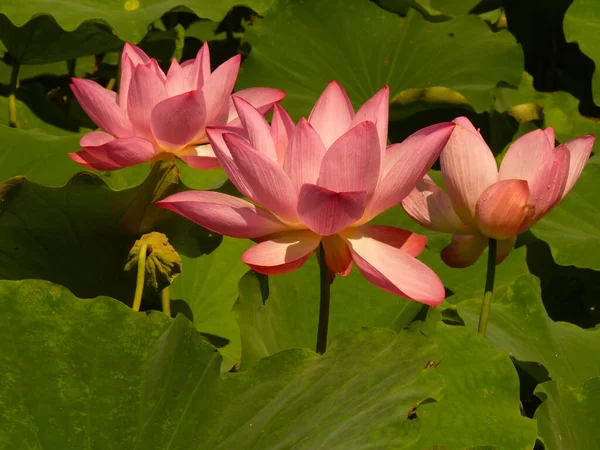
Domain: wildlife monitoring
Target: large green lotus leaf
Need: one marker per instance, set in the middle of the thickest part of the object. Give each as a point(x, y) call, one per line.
point(128, 18)
point(520, 327)
point(454, 7)
point(28, 120)
point(559, 110)
point(42, 157)
point(42, 40)
point(580, 404)
point(481, 397)
point(571, 228)
point(209, 286)
point(93, 374)
point(84, 65)
point(582, 25)
point(300, 46)
point(282, 312)
point(201, 179)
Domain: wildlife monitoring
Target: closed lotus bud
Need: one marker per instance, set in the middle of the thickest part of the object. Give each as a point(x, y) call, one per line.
point(163, 263)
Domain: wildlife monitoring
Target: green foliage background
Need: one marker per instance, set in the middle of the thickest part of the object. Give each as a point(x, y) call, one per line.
point(235, 368)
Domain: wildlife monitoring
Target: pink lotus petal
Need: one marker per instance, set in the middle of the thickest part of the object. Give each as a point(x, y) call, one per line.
point(504, 209)
point(533, 158)
point(466, 123)
point(135, 54)
point(145, 91)
point(95, 138)
point(464, 250)
point(153, 65)
point(405, 165)
point(468, 168)
point(525, 156)
point(101, 106)
point(223, 214)
point(549, 132)
point(267, 183)
point(504, 247)
point(282, 253)
point(352, 162)
point(431, 207)
point(376, 110)
point(178, 82)
point(580, 150)
point(304, 154)
point(282, 128)
point(179, 121)
point(549, 182)
point(131, 57)
point(127, 68)
point(259, 132)
point(407, 241)
point(219, 147)
point(263, 99)
point(198, 69)
point(394, 270)
point(201, 157)
point(337, 255)
point(113, 154)
point(332, 114)
point(327, 212)
point(217, 90)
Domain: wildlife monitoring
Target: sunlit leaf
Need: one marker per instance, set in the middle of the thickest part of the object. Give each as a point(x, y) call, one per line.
point(364, 48)
point(481, 397)
point(520, 327)
point(128, 18)
point(92, 373)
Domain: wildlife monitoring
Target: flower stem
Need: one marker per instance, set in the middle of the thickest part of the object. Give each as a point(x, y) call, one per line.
point(489, 288)
point(166, 301)
point(12, 99)
point(141, 272)
point(324, 301)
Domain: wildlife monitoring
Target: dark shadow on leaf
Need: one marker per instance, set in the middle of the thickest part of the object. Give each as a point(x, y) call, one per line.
point(570, 294)
point(217, 341)
point(181, 307)
point(530, 375)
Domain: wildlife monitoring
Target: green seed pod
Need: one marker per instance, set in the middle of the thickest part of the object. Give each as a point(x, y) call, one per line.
point(163, 263)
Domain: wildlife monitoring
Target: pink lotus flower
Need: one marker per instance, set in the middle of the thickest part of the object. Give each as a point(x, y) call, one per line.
point(483, 202)
point(160, 116)
point(322, 181)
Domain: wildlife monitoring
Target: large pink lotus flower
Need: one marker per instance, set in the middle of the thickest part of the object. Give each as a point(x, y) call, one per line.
point(482, 202)
point(157, 115)
point(322, 181)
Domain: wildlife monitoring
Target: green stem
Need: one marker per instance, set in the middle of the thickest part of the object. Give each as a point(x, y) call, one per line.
point(166, 301)
point(179, 41)
point(489, 288)
point(111, 84)
point(12, 99)
point(139, 285)
point(324, 301)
